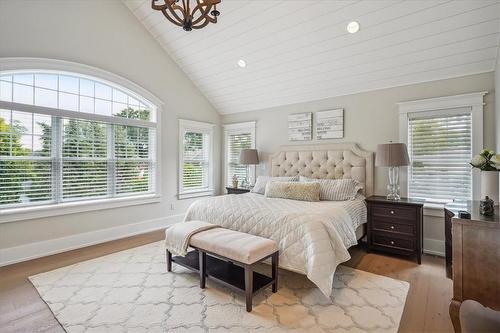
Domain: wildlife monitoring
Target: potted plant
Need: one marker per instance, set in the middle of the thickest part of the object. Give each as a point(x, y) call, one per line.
point(489, 164)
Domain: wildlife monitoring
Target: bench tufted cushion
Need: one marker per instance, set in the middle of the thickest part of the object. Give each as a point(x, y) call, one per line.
point(234, 245)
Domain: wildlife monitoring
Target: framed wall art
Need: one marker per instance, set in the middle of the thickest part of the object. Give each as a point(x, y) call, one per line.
point(300, 127)
point(330, 124)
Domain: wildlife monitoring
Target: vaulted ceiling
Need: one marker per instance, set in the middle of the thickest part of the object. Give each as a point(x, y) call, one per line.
point(299, 51)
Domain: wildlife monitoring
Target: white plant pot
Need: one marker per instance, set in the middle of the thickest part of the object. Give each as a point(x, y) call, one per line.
point(489, 185)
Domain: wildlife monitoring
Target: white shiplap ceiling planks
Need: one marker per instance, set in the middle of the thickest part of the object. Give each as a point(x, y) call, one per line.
point(300, 51)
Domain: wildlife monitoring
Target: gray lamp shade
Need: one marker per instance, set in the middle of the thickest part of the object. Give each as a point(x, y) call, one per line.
point(391, 155)
point(249, 156)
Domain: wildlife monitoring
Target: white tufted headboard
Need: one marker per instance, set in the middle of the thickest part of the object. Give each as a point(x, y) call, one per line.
point(334, 160)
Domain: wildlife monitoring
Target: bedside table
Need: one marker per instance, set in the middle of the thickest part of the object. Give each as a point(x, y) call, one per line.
point(395, 226)
point(239, 190)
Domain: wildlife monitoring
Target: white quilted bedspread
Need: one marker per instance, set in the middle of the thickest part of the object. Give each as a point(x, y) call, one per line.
point(313, 237)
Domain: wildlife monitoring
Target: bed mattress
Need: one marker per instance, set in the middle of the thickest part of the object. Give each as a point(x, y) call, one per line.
point(313, 237)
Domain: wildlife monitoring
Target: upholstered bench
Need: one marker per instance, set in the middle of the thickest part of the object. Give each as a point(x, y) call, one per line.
point(230, 260)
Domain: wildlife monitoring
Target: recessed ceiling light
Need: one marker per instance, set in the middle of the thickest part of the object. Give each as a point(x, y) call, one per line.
point(353, 27)
point(242, 63)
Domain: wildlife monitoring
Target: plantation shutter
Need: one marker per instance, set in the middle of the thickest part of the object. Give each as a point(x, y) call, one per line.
point(25, 158)
point(440, 150)
point(84, 160)
point(237, 142)
point(134, 166)
point(65, 139)
point(196, 159)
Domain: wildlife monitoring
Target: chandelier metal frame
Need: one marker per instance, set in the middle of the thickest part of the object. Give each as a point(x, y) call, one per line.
point(181, 13)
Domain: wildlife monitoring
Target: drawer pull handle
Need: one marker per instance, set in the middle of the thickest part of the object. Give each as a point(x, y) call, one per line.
point(392, 242)
point(392, 227)
point(392, 212)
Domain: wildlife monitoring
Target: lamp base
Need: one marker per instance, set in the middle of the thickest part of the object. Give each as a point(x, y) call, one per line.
point(393, 186)
point(393, 196)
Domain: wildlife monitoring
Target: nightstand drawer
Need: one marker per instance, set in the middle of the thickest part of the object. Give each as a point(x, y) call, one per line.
point(388, 240)
point(397, 212)
point(397, 228)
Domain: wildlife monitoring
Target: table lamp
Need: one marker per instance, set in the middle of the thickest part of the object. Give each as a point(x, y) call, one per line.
point(392, 155)
point(248, 157)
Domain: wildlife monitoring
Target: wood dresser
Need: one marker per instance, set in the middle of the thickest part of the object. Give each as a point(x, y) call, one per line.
point(476, 260)
point(395, 226)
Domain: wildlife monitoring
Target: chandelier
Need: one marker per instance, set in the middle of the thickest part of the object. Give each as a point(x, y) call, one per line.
point(188, 14)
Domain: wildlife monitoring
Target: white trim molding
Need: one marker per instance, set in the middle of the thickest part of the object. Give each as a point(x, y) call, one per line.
point(434, 247)
point(441, 103)
point(33, 212)
point(238, 128)
point(12, 255)
point(447, 105)
point(200, 127)
point(61, 66)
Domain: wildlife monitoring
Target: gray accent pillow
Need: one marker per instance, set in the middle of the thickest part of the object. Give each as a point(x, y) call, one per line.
point(260, 184)
point(293, 190)
point(335, 189)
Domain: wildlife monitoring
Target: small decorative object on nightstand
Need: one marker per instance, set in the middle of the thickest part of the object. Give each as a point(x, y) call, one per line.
point(487, 207)
point(237, 190)
point(395, 226)
point(235, 181)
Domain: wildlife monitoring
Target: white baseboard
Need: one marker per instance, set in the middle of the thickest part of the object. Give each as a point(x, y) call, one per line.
point(30, 251)
point(434, 247)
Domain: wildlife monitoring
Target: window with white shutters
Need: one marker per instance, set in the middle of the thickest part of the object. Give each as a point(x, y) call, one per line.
point(67, 138)
point(440, 149)
point(196, 170)
point(237, 137)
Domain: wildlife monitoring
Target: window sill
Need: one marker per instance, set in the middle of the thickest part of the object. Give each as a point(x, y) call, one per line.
point(195, 194)
point(25, 213)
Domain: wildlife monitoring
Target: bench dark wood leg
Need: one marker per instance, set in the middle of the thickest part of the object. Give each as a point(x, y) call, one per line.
point(275, 262)
point(169, 260)
point(203, 268)
point(249, 286)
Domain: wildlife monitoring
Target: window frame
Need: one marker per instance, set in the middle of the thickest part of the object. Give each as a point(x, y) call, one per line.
point(199, 127)
point(238, 128)
point(444, 106)
point(51, 66)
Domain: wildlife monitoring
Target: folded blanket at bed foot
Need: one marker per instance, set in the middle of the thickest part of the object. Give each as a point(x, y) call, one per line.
point(177, 236)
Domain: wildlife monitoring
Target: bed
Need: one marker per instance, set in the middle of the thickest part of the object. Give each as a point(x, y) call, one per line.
point(313, 237)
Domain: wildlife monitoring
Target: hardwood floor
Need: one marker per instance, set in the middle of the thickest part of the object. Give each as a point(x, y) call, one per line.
point(22, 310)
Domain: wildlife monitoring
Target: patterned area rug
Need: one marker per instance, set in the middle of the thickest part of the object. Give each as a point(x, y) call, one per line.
point(130, 291)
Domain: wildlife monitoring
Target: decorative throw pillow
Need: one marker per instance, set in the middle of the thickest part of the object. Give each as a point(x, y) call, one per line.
point(336, 189)
point(260, 184)
point(293, 190)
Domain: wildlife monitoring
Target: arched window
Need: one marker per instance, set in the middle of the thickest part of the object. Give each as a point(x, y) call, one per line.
point(67, 137)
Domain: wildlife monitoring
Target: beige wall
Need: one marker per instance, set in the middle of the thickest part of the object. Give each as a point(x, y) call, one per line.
point(497, 103)
point(371, 118)
point(106, 35)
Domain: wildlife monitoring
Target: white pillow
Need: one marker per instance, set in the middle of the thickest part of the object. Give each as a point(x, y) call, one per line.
point(260, 184)
point(305, 191)
point(336, 189)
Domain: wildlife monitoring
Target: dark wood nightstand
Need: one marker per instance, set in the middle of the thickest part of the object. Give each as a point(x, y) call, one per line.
point(232, 190)
point(395, 226)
